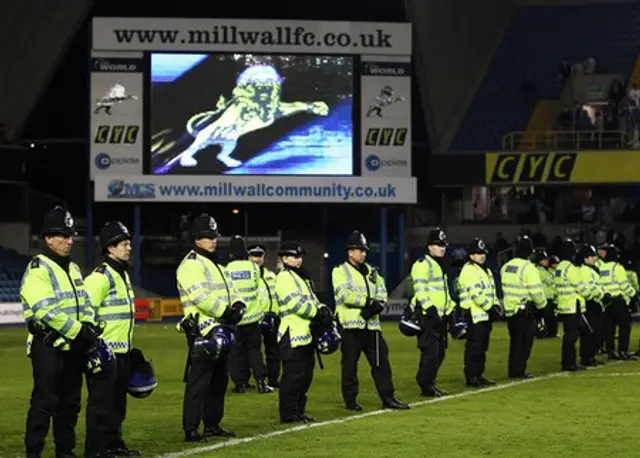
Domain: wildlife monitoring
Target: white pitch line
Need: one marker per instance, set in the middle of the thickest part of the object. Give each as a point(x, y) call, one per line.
point(613, 374)
point(281, 432)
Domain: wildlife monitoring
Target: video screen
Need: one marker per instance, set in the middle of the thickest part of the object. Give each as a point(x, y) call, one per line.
point(248, 114)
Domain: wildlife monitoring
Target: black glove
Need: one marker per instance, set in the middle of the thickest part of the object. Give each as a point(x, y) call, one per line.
point(87, 339)
point(367, 312)
point(376, 306)
point(232, 315)
point(607, 299)
point(324, 317)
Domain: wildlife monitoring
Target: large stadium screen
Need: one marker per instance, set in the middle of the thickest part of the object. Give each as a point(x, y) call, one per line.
point(250, 114)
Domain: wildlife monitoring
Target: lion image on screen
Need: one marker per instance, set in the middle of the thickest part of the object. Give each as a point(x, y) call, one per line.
point(255, 104)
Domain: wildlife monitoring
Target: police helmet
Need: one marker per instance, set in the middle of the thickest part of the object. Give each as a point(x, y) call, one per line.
point(142, 380)
point(204, 226)
point(524, 247)
point(554, 260)
point(269, 324)
point(437, 237)
point(58, 221)
point(477, 246)
point(100, 361)
point(568, 250)
point(459, 329)
point(217, 344)
point(356, 240)
point(328, 342)
point(237, 247)
point(588, 251)
point(113, 233)
point(411, 322)
point(291, 249)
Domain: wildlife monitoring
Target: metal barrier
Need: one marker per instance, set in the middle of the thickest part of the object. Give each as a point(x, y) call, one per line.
point(565, 140)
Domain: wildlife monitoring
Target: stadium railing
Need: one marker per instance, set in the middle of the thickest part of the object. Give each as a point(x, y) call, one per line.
point(565, 140)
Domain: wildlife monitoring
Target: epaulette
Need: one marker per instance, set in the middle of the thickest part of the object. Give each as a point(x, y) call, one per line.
point(101, 269)
point(192, 255)
point(35, 263)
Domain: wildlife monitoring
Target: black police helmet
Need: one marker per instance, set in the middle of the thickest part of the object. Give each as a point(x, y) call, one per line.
point(477, 246)
point(291, 249)
point(237, 246)
point(437, 237)
point(256, 250)
point(356, 240)
point(587, 251)
point(540, 255)
point(568, 250)
point(524, 247)
point(113, 233)
point(58, 221)
point(204, 226)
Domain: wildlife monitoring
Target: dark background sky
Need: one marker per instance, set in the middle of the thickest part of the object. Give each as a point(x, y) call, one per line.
point(62, 111)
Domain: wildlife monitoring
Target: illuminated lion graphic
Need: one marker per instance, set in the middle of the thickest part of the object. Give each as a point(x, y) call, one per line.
point(254, 104)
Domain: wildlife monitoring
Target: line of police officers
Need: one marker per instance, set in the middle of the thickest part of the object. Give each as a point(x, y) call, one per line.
point(85, 326)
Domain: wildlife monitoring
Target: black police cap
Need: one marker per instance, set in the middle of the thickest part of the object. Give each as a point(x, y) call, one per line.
point(113, 233)
point(291, 249)
point(437, 237)
point(204, 226)
point(356, 240)
point(477, 246)
point(58, 221)
point(256, 250)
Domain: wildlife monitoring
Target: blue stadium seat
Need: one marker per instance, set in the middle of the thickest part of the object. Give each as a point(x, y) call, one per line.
point(536, 42)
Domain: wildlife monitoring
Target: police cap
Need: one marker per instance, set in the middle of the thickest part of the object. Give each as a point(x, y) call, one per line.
point(356, 240)
point(58, 221)
point(477, 246)
point(437, 237)
point(113, 233)
point(204, 226)
point(291, 249)
point(256, 250)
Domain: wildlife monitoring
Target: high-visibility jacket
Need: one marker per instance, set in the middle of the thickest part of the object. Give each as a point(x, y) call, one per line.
point(571, 289)
point(520, 284)
point(206, 290)
point(591, 278)
point(632, 276)
point(430, 286)
point(352, 288)
point(599, 263)
point(245, 276)
point(298, 305)
point(112, 298)
point(55, 299)
point(268, 301)
point(614, 280)
point(548, 284)
point(477, 291)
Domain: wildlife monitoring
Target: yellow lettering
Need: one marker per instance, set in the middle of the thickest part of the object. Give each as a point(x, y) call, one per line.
point(557, 168)
point(501, 166)
point(534, 164)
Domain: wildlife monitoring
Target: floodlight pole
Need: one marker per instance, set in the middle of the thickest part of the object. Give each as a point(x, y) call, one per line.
point(137, 236)
point(383, 241)
point(400, 246)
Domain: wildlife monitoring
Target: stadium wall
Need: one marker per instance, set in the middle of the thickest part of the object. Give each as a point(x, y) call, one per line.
point(15, 235)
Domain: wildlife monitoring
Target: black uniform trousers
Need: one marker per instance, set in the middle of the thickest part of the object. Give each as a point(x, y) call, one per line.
point(593, 339)
point(297, 374)
point(432, 343)
point(522, 332)
point(375, 349)
point(551, 319)
point(99, 404)
point(246, 354)
point(574, 329)
point(57, 391)
point(272, 356)
point(617, 314)
point(475, 349)
point(205, 390)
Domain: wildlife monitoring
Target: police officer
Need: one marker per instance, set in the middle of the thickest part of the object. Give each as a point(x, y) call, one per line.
point(61, 327)
point(572, 292)
point(615, 282)
point(360, 295)
point(545, 272)
point(478, 297)
point(589, 344)
point(246, 353)
point(431, 296)
point(206, 292)
point(300, 310)
point(270, 308)
point(111, 293)
point(523, 299)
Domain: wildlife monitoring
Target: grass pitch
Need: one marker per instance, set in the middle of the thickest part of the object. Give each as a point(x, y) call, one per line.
point(593, 413)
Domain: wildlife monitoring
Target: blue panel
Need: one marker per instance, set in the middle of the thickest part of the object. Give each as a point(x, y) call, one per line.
point(166, 68)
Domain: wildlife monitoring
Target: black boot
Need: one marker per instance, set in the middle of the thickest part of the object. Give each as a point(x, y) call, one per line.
point(393, 404)
point(193, 436)
point(353, 405)
point(486, 382)
point(217, 431)
point(239, 388)
point(433, 392)
point(123, 451)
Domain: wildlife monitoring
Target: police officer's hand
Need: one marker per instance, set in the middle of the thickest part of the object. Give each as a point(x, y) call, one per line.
point(87, 339)
point(375, 305)
point(607, 299)
point(324, 317)
point(232, 315)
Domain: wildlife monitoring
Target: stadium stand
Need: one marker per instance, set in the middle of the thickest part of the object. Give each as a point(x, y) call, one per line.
point(12, 265)
point(525, 65)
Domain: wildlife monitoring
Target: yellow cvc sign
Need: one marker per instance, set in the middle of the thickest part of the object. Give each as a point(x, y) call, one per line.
point(586, 167)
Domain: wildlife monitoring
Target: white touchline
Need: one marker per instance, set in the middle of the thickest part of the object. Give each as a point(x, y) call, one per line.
point(246, 440)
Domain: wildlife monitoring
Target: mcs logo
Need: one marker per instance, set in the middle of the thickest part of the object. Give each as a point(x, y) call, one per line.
point(119, 189)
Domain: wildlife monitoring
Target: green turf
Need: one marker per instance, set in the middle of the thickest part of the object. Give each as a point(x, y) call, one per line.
point(570, 415)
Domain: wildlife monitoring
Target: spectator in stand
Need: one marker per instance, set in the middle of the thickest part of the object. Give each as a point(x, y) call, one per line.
point(634, 94)
point(564, 72)
point(616, 92)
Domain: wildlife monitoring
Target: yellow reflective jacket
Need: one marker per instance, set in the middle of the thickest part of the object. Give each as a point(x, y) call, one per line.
point(205, 289)
point(112, 298)
point(477, 291)
point(591, 278)
point(268, 301)
point(633, 280)
point(571, 289)
point(352, 288)
point(298, 305)
point(55, 298)
point(520, 284)
point(614, 280)
point(548, 283)
point(430, 286)
point(245, 276)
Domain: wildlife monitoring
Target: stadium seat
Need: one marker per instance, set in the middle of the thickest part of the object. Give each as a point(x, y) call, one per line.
point(536, 42)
